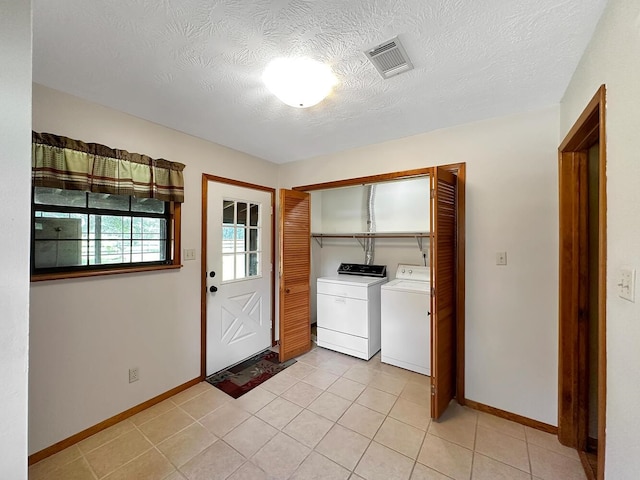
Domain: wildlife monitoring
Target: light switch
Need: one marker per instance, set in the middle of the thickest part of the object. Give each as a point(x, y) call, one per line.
point(501, 258)
point(189, 254)
point(627, 283)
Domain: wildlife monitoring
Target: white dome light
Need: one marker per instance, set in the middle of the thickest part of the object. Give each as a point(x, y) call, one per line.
point(299, 82)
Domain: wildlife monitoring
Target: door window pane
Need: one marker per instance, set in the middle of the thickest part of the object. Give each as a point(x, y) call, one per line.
point(228, 268)
point(228, 239)
point(254, 266)
point(227, 212)
point(241, 266)
point(242, 213)
point(253, 239)
point(253, 216)
point(238, 239)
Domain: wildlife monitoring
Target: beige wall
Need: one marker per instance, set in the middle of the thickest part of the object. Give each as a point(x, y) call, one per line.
point(512, 206)
point(612, 58)
point(87, 333)
point(83, 341)
point(15, 153)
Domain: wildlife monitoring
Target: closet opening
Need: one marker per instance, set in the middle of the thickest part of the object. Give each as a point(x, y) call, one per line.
point(406, 232)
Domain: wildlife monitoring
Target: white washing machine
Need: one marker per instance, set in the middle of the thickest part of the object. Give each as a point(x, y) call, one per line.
point(349, 309)
point(406, 319)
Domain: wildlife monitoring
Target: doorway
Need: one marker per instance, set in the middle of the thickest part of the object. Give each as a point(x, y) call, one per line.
point(582, 288)
point(237, 272)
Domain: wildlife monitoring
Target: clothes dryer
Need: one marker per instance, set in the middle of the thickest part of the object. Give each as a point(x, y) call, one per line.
point(349, 309)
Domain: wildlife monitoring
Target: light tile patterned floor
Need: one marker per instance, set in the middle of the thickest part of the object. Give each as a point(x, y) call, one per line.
point(329, 416)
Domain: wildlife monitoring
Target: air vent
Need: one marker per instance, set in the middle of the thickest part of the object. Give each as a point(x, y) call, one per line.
point(389, 58)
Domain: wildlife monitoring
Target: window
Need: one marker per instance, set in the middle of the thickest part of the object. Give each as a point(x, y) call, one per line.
point(241, 240)
point(76, 231)
point(98, 210)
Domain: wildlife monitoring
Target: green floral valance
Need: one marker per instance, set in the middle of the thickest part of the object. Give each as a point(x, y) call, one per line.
point(60, 162)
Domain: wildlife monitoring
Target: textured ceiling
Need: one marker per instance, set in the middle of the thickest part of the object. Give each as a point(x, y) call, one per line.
point(196, 65)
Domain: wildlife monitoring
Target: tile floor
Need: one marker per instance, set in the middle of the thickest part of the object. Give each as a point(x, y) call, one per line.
point(329, 416)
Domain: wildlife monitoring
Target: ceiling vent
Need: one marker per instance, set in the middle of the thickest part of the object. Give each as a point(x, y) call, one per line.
point(389, 58)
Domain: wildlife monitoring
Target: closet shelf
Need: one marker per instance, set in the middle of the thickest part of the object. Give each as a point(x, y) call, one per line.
point(364, 235)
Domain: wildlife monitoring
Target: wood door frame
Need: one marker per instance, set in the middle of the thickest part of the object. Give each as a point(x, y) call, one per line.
point(572, 395)
point(206, 178)
point(459, 169)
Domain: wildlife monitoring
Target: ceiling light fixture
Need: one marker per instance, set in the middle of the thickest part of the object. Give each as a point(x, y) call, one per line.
point(299, 82)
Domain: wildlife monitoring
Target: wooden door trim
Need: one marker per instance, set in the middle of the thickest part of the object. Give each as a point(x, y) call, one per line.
point(460, 171)
point(589, 128)
point(383, 177)
point(206, 178)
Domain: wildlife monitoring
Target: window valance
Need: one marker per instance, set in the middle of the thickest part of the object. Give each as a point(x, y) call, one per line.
point(60, 162)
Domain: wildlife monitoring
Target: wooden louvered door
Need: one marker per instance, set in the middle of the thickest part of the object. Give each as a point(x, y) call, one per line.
point(443, 282)
point(295, 271)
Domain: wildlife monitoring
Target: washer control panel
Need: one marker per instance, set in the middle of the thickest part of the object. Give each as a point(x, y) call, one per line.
point(417, 273)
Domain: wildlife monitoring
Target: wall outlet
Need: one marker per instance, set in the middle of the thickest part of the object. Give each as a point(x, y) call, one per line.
point(189, 254)
point(134, 374)
point(627, 283)
point(501, 258)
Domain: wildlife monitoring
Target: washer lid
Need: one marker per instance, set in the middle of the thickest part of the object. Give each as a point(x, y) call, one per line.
point(408, 286)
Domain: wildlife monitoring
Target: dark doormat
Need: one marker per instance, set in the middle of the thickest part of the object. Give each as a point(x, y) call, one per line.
point(241, 378)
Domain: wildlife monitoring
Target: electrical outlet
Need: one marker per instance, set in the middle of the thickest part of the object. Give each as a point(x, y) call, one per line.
point(501, 258)
point(134, 374)
point(627, 283)
point(189, 254)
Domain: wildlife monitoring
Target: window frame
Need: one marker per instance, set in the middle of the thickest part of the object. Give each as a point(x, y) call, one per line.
point(172, 246)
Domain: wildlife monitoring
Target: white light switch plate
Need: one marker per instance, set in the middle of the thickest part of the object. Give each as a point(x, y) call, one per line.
point(501, 258)
point(189, 254)
point(627, 283)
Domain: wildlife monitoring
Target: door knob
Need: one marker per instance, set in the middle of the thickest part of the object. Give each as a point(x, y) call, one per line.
point(212, 274)
point(287, 290)
point(213, 289)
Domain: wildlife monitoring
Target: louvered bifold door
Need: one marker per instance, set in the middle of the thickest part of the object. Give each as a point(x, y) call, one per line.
point(295, 270)
point(443, 282)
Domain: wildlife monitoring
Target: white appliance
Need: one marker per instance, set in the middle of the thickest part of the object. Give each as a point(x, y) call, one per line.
point(349, 309)
point(406, 319)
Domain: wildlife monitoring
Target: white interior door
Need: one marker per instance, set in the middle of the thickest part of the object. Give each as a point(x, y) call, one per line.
point(239, 258)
